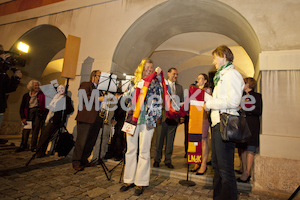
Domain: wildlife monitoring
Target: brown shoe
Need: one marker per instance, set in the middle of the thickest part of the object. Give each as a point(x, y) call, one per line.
point(138, 190)
point(126, 187)
point(78, 167)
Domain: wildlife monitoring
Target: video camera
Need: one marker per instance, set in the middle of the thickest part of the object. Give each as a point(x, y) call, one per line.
point(12, 61)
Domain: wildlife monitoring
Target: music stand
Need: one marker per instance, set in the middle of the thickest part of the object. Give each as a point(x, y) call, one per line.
point(108, 83)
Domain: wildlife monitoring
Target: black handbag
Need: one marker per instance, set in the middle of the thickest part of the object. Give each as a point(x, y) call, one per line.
point(64, 144)
point(234, 128)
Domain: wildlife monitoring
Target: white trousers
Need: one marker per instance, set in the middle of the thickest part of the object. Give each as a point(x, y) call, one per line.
point(138, 171)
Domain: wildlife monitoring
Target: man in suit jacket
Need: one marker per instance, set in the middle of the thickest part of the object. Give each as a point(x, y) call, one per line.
point(168, 127)
point(88, 123)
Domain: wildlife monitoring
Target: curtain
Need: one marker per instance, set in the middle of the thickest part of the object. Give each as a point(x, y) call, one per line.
point(281, 103)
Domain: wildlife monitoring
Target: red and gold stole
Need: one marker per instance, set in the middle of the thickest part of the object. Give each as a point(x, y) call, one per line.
point(193, 106)
point(194, 152)
point(137, 103)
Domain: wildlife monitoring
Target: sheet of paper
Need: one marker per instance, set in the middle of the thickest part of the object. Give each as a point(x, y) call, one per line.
point(108, 82)
point(28, 125)
point(48, 90)
point(125, 83)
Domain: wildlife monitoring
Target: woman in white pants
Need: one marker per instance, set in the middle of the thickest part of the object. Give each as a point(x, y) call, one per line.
point(137, 170)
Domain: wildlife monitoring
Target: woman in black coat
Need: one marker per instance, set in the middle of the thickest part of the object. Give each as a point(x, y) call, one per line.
point(59, 108)
point(252, 105)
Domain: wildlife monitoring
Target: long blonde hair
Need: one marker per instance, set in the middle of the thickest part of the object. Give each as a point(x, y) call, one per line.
point(138, 74)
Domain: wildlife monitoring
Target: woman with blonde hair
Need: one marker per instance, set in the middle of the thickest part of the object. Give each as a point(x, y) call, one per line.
point(32, 110)
point(137, 171)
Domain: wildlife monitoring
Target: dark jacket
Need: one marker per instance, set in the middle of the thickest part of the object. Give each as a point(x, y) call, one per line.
point(7, 85)
point(57, 117)
point(253, 119)
point(24, 108)
point(119, 114)
point(84, 115)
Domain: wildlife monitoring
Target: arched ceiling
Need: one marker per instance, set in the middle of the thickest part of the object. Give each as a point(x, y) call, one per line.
point(189, 50)
point(183, 34)
point(45, 42)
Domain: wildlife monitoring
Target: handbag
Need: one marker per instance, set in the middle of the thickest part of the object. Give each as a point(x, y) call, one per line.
point(65, 143)
point(234, 128)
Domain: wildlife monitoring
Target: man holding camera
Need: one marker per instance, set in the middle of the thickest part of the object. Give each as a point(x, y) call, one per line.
point(7, 84)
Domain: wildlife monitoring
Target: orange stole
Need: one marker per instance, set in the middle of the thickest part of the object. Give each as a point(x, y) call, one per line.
point(196, 117)
point(140, 102)
point(194, 152)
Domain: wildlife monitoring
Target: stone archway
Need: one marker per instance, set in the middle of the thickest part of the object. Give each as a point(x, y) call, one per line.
point(45, 42)
point(175, 17)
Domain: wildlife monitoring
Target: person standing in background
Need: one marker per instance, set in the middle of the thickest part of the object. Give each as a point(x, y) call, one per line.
point(253, 112)
point(167, 129)
point(7, 84)
point(202, 83)
point(88, 124)
point(55, 119)
point(32, 110)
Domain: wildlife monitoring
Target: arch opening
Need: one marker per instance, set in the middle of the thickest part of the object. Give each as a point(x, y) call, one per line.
point(209, 19)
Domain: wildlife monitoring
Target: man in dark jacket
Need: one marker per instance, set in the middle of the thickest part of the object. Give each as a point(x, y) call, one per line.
point(7, 85)
point(167, 129)
point(88, 121)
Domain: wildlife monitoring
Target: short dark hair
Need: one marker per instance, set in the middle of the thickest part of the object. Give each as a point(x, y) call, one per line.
point(251, 81)
point(93, 74)
point(172, 68)
point(224, 50)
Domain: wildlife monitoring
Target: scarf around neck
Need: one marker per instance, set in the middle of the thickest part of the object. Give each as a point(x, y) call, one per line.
point(217, 75)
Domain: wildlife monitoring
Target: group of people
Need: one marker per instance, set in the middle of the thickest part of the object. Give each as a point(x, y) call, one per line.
point(229, 88)
point(38, 117)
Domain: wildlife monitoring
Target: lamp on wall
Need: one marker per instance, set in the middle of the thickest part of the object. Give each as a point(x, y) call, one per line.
point(23, 47)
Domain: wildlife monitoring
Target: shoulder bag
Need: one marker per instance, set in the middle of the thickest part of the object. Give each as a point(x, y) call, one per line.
point(234, 128)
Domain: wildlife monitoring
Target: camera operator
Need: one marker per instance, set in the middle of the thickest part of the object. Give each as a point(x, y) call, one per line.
point(7, 84)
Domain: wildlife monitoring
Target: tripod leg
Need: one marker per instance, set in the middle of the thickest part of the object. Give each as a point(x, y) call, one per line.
point(32, 157)
point(105, 169)
point(122, 171)
point(44, 139)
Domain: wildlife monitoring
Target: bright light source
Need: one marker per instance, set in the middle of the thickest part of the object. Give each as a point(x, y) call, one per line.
point(124, 74)
point(23, 47)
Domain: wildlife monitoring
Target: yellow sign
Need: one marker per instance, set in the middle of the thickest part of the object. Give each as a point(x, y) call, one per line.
point(194, 158)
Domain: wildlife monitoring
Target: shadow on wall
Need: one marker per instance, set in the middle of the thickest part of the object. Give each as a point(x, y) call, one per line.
point(86, 69)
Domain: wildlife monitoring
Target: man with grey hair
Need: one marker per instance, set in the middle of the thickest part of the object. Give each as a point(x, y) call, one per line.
point(167, 129)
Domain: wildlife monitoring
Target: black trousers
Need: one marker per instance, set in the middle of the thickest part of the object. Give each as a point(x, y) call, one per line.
point(224, 182)
point(118, 143)
point(86, 138)
point(48, 132)
point(37, 122)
